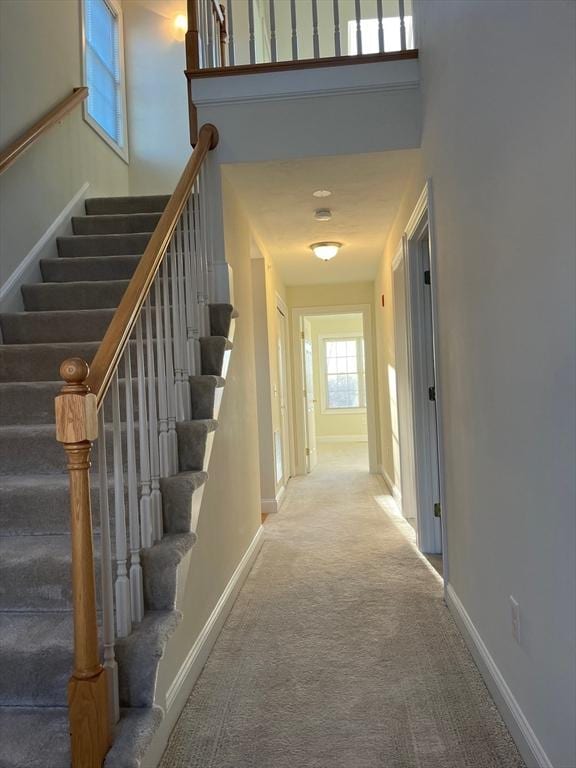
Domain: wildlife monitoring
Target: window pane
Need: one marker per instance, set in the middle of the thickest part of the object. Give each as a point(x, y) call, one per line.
point(102, 95)
point(101, 32)
point(343, 391)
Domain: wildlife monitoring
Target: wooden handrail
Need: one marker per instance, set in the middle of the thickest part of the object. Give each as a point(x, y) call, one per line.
point(122, 324)
point(25, 141)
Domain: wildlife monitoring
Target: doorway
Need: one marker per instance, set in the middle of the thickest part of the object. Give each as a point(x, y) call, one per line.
point(333, 366)
point(417, 390)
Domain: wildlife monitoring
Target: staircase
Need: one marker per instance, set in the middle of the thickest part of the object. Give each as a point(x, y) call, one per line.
point(66, 316)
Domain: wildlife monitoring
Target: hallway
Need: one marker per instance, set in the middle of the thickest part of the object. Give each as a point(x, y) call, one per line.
point(339, 652)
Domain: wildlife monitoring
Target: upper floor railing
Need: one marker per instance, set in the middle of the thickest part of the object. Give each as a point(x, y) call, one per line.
point(256, 32)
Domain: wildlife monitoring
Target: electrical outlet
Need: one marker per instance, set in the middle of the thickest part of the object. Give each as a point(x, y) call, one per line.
point(515, 614)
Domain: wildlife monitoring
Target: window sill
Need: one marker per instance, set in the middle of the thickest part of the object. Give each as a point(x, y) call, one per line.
point(342, 411)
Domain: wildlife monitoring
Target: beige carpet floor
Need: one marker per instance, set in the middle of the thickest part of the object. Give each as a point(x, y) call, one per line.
point(340, 652)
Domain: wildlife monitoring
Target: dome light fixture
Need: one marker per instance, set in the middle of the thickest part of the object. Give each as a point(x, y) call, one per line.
point(325, 251)
point(322, 193)
point(322, 214)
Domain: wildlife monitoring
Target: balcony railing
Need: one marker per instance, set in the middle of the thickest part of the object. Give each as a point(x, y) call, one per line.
point(252, 32)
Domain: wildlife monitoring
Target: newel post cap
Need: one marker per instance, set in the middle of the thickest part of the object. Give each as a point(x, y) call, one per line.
point(76, 408)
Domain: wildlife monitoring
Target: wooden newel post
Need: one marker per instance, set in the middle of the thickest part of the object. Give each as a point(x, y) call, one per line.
point(76, 428)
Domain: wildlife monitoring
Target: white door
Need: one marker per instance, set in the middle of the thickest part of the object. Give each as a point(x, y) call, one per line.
point(309, 399)
point(283, 396)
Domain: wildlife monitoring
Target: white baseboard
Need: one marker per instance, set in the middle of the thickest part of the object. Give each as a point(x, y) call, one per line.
point(27, 270)
point(521, 730)
point(392, 487)
point(342, 438)
point(272, 506)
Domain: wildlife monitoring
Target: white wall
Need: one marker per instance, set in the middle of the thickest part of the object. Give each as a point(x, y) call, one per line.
point(499, 145)
point(40, 64)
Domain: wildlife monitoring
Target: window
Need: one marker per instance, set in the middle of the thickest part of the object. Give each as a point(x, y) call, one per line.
point(105, 108)
point(370, 38)
point(343, 367)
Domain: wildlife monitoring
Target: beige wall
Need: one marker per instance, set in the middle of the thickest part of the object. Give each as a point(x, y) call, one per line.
point(330, 424)
point(503, 183)
point(230, 515)
point(40, 64)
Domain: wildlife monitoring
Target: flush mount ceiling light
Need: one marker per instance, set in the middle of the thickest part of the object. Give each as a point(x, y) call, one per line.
point(326, 251)
point(322, 193)
point(322, 214)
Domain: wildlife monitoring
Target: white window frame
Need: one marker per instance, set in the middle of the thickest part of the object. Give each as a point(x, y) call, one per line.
point(322, 339)
point(121, 149)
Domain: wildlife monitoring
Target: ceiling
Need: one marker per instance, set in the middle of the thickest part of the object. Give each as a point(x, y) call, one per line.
point(366, 193)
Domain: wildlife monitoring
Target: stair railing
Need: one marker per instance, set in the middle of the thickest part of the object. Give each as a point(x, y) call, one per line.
point(129, 400)
point(25, 141)
point(207, 34)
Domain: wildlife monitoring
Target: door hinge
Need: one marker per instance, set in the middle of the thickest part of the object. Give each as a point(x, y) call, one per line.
point(307, 451)
point(437, 510)
point(427, 277)
point(432, 393)
point(302, 334)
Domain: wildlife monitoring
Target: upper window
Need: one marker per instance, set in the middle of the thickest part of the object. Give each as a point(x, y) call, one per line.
point(369, 34)
point(105, 107)
point(344, 380)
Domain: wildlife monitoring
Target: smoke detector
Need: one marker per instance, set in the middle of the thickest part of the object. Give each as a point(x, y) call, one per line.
point(323, 214)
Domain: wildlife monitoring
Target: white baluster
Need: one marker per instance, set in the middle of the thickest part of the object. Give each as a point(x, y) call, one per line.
point(380, 16)
point(155, 497)
point(358, 27)
point(136, 584)
point(230, 22)
point(315, 38)
point(165, 469)
point(273, 48)
point(337, 45)
point(146, 527)
point(182, 326)
point(252, 39)
point(206, 255)
point(123, 609)
point(195, 296)
point(402, 25)
point(110, 664)
point(173, 251)
point(210, 31)
point(293, 23)
point(170, 381)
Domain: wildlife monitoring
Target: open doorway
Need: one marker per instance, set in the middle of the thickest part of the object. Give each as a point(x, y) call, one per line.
point(417, 392)
point(333, 362)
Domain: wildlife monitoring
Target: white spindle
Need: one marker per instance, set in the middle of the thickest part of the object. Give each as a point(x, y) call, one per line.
point(315, 38)
point(273, 48)
point(402, 25)
point(206, 255)
point(293, 23)
point(336, 11)
point(155, 497)
point(110, 664)
point(146, 527)
point(194, 282)
point(165, 468)
point(170, 381)
point(182, 327)
point(123, 609)
point(136, 584)
point(251, 38)
point(380, 25)
point(189, 292)
point(173, 249)
point(230, 23)
point(358, 27)
point(210, 32)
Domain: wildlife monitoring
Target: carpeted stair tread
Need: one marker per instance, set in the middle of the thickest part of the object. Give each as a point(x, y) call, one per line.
point(36, 658)
point(160, 565)
point(36, 504)
point(221, 316)
point(202, 395)
point(27, 403)
point(84, 294)
point(35, 573)
point(55, 326)
point(102, 245)
point(29, 734)
point(41, 362)
point(139, 654)
point(128, 204)
point(177, 492)
point(192, 437)
point(212, 351)
point(83, 268)
point(115, 224)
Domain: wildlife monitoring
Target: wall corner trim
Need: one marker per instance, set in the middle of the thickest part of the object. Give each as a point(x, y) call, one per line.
point(394, 490)
point(521, 730)
point(194, 662)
